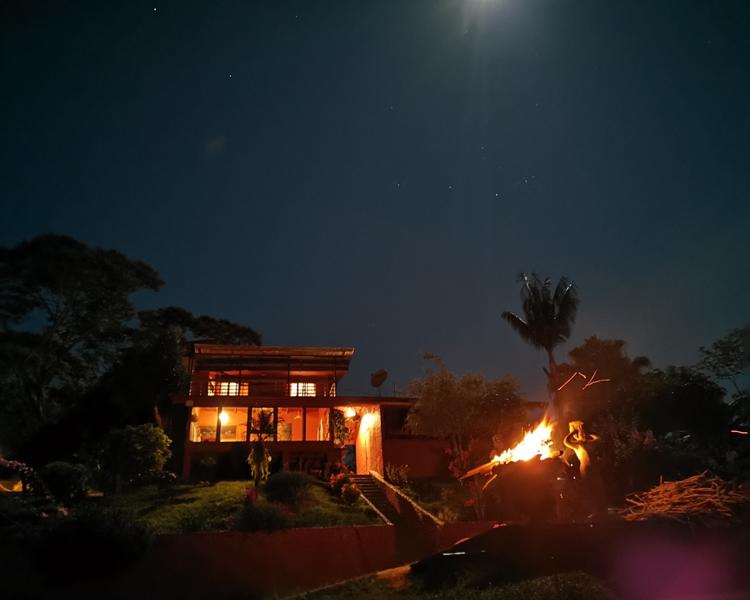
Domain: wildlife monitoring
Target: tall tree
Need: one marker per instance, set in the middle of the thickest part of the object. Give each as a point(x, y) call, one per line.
point(65, 312)
point(728, 358)
point(467, 411)
point(190, 327)
point(548, 315)
point(600, 375)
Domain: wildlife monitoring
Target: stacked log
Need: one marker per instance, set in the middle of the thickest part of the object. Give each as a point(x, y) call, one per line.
point(700, 498)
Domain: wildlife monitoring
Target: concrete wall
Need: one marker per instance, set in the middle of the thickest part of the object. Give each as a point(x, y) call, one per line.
point(369, 445)
point(425, 458)
point(249, 565)
point(206, 565)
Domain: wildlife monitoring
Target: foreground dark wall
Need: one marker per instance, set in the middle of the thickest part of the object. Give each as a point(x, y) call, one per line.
point(247, 565)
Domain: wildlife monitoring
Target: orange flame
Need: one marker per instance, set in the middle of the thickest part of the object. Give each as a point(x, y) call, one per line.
point(537, 442)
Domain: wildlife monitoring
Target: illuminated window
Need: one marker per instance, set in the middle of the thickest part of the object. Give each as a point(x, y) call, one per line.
point(302, 388)
point(290, 425)
point(332, 391)
point(233, 423)
point(317, 424)
point(228, 388)
point(262, 424)
point(203, 424)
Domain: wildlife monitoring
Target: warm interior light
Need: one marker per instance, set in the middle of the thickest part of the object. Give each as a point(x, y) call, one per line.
point(350, 413)
point(223, 417)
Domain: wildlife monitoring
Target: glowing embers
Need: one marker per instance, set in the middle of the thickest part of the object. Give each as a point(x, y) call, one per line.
point(537, 442)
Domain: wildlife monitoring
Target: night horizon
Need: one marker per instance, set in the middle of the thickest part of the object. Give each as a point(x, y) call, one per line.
point(398, 299)
point(377, 195)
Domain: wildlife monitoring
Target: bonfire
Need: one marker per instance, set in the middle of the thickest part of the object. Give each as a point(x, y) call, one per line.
point(537, 445)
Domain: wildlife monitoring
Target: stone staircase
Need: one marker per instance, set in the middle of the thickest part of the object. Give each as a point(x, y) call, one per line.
point(374, 494)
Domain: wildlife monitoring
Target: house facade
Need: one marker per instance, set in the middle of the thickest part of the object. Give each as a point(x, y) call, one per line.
point(287, 397)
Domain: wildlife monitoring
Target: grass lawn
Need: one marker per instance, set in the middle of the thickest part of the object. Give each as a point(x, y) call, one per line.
point(184, 508)
point(572, 586)
point(443, 497)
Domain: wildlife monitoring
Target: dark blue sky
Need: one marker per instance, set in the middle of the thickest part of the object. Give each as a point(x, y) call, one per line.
point(376, 173)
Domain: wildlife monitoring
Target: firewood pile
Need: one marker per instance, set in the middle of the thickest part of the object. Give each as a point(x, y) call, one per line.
point(701, 498)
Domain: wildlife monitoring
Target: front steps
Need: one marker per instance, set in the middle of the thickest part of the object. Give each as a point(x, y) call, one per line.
point(372, 492)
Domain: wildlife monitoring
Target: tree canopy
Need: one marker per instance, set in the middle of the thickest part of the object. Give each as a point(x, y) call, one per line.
point(65, 311)
point(548, 315)
point(191, 327)
point(464, 408)
point(75, 357)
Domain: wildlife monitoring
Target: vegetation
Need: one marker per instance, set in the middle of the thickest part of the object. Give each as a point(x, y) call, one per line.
point(68, 482)
point(134, 454)
point(469, 412)
point(578, 586)
point(182, 508)
point(259, 460)
point(548, 316)
point(289, 487)
point(76, 358)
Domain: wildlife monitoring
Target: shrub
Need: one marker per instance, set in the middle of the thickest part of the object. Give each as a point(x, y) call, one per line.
point(68, 482)
point(337, 468)
point(337, 482)
point(262, 517)
point(288, 487)
point(135, 453)
point(397, 474)
point(350, 493)
point(160, 478)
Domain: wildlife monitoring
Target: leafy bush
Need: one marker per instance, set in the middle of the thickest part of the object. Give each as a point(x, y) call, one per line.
point(262, 517)
point(68, 482)
point(159, 477)
point(134, 454)
point(288, 487)
point(350, 493)
point(397, 474)
point(92, 542)
point(337, 482)
point(337, 468)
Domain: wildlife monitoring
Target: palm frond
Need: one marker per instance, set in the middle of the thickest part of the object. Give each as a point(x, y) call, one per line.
point(521, 327)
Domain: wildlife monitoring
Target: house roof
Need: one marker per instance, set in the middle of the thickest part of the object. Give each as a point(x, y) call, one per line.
point(272, 360)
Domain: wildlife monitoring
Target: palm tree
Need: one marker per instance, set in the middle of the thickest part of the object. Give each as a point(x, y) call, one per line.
point(547, 316)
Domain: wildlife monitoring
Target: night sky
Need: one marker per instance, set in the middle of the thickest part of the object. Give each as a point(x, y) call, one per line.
point(376, 173)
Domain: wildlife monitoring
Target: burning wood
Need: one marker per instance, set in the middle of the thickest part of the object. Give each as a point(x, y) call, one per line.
point(697, 498)
point(537, 444)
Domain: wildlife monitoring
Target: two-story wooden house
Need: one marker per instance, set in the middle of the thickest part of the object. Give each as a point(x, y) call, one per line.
point(287, 397)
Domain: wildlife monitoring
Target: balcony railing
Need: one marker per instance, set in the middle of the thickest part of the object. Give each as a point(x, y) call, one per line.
point(280, 389)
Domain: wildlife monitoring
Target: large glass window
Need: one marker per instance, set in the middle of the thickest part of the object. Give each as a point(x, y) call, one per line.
point(233, 421)
point(290, 425)
point(302, 388)
point(317, 424)
point(203, 424)
point(262, 424)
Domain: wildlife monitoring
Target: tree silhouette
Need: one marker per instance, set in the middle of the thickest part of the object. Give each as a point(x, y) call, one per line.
point(548, 316)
